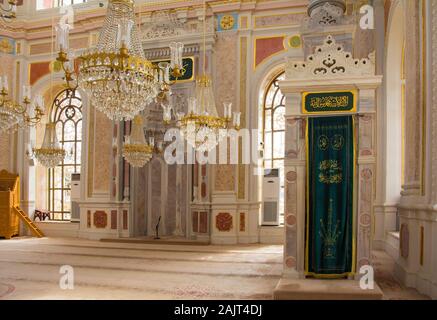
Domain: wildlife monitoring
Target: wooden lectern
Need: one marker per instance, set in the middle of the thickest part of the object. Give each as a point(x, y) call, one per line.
point(9, 200)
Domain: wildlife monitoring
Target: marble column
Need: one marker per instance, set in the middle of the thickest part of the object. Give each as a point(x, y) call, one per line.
point(295, 174)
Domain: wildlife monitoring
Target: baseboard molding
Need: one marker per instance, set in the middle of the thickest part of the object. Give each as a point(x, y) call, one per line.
point(223, 240)
point(392, 245)
point(59, 229)
point(271, 235)
point(90, 235)
point(248, 239)
point(313, 289)
point(416, 281)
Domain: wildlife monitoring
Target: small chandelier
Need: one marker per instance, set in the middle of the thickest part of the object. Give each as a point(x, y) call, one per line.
point(136, 150)
point(155, 132)
point(51, 153)
point(7, 13)
point(13, 115)
point(174, 69)
point(202, 127)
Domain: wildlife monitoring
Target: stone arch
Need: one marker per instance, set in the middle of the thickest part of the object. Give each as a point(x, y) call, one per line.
point(37, 173)
point(393, 115)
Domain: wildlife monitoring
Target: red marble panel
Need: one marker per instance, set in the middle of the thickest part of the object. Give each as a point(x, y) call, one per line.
point(242, 222)
point(203, 190)
point(100, 219)
point(114, 219)
point(291, 220)
point(223, 221)
point(38, 70)
point(404, 241)
point(203, 222)
point(88, 219)
point(125, 223)
point(196, 175)
point(195, 221)
point(290, 262)
point(266, 47)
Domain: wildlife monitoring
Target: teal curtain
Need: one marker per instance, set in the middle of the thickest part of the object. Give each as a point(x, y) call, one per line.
point(330, 196)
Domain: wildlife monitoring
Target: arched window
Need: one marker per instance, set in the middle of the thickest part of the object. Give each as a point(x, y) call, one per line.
point(67, 115)
point(273, 132)
point(48, 4)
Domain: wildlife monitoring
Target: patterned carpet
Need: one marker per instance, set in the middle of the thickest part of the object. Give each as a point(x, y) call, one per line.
point(30, 269)
point(137, 271)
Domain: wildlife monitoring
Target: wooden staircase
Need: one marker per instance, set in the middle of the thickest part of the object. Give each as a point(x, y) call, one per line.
point(29, 223)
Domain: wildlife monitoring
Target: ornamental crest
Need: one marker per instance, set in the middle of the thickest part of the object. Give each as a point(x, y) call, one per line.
point(330, 60)
point(100, 219)
point(223, 221)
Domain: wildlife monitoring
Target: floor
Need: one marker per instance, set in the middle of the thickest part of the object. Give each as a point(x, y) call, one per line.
point(391, 288)
point(30, 269)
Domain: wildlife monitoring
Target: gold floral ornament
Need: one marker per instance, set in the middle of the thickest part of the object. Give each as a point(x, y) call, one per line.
point(227, 22)
point(337, 142)
point(329, 233)
point(8, 11)
point(323, 142)
point(6, 46)
point(331, 172)
point(295, 42)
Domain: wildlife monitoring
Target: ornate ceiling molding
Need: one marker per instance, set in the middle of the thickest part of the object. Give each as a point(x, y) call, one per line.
point(166, 24)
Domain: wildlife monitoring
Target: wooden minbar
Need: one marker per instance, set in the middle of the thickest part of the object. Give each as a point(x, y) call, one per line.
point(9, 200)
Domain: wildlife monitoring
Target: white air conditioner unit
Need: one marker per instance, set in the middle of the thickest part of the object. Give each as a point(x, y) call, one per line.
point(75, 197)
point(270, 207)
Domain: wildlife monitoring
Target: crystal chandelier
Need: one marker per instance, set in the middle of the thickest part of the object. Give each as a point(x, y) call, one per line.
point(155, 132)
point(119, 80)
point(174, 68)
point(202, 127)
point(13, 115)
point(7, 13)
point(51, 153)
point(136, 150)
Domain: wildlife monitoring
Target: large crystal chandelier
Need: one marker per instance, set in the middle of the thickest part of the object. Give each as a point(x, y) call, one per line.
point(202, 127)
point(51, 153)
point(7, 11)
point(118, 79)
point(12, 114)
point(136, 150)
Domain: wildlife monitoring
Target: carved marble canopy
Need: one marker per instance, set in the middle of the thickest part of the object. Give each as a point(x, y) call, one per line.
point(330, 61)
